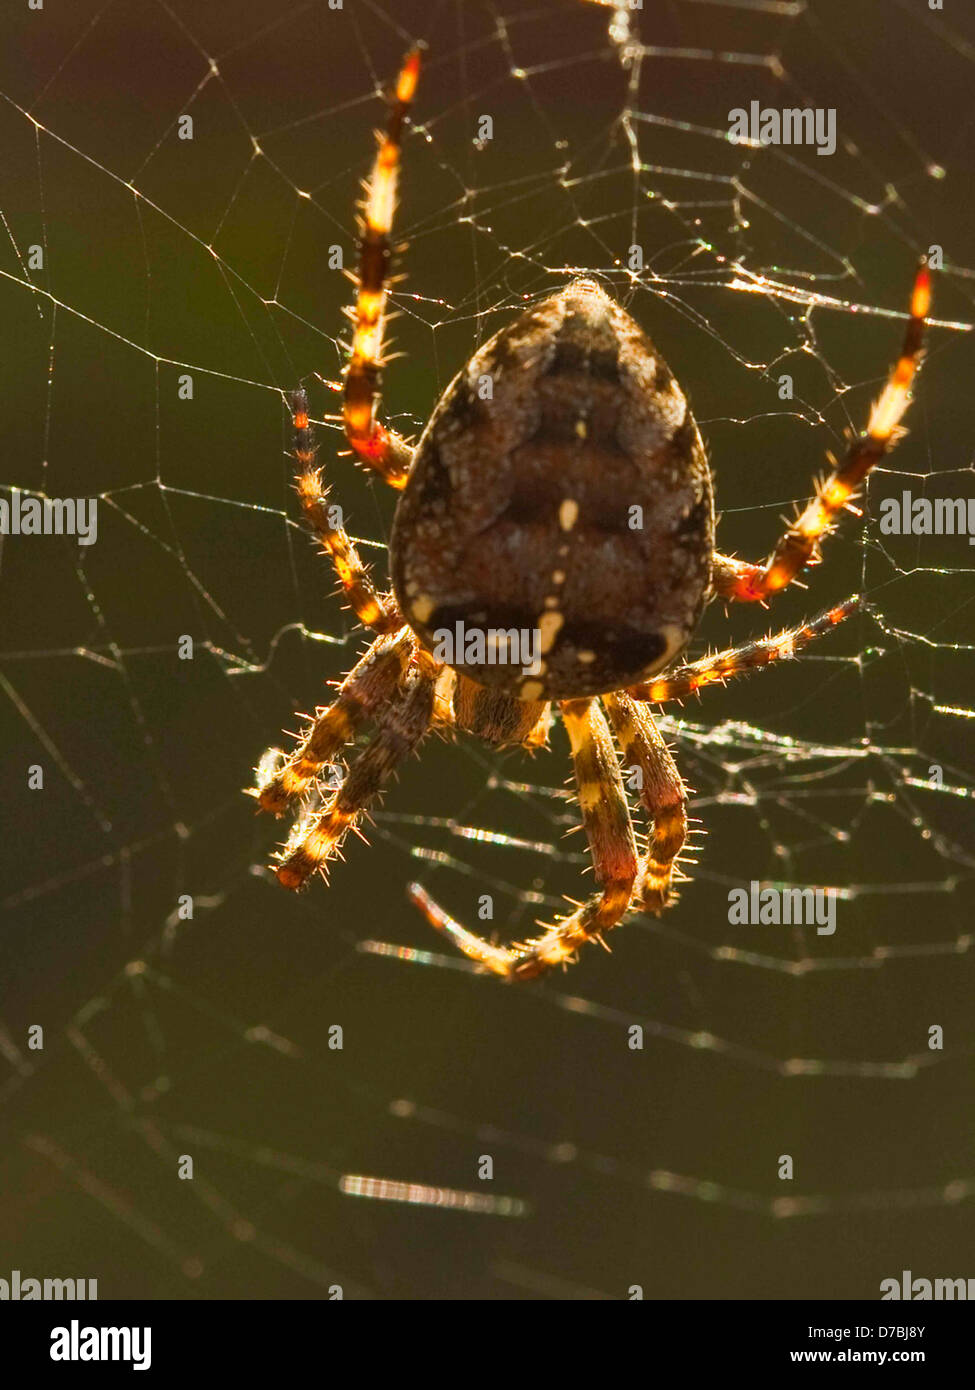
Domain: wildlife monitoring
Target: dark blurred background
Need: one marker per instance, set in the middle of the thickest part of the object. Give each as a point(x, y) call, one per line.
point(208, 258)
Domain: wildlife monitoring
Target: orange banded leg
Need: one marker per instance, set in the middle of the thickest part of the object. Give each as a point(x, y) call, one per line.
point(375, 445)
point(363, 693)
point(799, 547)
point(375, 610)
point(741, 661)
point(662, 792)
point(401, 725)
point(612, 844)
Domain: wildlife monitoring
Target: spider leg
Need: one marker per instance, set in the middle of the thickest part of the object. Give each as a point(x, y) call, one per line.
point(799, 547)
point(663, 794)
point(612, 844)
point(401, 725)
point(364, 692)
point(373, 609)
point(375, 445)
point(740, 661)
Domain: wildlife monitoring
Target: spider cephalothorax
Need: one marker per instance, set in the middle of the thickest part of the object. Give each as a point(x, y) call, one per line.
point(553, 543)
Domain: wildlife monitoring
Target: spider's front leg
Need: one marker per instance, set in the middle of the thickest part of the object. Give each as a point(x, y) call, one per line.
point(663, 794)
point(799, 547)
point(612, 844)
point(366, 690)
point(402, 722)
point(719, 667)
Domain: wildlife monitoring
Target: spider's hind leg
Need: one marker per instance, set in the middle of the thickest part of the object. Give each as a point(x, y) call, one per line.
point(374, 444)
point(373, 609)
point(799, 547)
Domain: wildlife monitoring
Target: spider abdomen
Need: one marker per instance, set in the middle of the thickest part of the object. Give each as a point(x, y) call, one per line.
point(554, 538)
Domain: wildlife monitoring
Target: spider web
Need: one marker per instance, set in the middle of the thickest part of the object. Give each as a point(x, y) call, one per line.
point(207, 258)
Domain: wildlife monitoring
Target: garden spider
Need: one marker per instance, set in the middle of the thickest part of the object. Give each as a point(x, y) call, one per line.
point(516, 516)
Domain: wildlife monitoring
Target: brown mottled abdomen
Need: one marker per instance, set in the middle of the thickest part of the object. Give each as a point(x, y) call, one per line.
point(560, 492)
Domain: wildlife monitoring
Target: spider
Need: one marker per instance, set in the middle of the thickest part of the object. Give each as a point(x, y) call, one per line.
point(516, 516)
